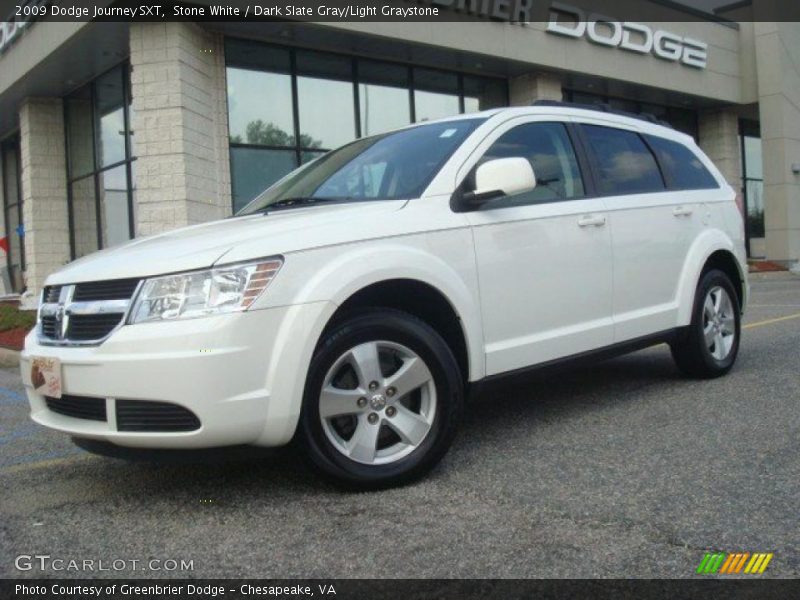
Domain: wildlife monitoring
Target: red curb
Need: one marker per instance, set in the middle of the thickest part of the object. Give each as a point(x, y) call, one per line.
point(765, 266)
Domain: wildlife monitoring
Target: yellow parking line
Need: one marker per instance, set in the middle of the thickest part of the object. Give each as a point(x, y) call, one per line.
point(771, 321)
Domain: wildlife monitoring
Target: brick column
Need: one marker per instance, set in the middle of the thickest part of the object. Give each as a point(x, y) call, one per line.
point(180, 125)
point(525, 89)
point(44, 189)
point(719, 139)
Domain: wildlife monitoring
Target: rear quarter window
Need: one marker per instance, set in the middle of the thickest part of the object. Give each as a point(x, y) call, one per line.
point(682, 168)
point(625, 165)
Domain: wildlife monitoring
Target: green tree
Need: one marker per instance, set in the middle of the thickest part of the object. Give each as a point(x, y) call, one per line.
point(269, 134)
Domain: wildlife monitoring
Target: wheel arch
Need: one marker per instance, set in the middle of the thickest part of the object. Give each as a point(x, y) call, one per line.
point(441, 293)
point(712, 249)
point(417, 298)
point(726, 262)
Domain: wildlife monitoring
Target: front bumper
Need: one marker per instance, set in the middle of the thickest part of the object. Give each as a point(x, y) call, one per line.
point(241, 374)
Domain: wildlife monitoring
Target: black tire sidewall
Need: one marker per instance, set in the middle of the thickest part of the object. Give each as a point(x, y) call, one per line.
point(393, 326)
point(712, 279)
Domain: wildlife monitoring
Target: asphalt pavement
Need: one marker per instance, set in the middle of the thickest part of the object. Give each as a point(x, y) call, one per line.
point(622, 469)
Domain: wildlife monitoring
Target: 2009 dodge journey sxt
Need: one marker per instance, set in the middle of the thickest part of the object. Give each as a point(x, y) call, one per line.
point(352, 303)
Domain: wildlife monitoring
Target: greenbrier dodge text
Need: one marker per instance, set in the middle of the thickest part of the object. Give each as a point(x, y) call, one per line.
point(157, 590)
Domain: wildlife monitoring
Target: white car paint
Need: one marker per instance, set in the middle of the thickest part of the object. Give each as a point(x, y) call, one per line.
point(530, 284)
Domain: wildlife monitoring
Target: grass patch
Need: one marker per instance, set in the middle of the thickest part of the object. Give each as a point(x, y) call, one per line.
point(13, 318)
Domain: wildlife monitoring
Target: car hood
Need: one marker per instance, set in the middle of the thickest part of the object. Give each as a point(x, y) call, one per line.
point(201, 246)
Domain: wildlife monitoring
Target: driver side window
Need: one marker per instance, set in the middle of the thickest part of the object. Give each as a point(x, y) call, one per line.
point(548, 148)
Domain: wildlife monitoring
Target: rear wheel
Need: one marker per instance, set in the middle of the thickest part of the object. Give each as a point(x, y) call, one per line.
point(710, 345)
point(382, 401)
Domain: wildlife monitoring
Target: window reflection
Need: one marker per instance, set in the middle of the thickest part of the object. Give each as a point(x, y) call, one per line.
point(110, 114)
point(752, 158)
point(80, 142)
point(755, 207)
point(254, 169)
point(483, 94)
point(325, 100)
point(12, 210)
point(338, 98)
point(383, 97)
point(113, 186)
point(681, 119)
point(99, 145)
point(327, 116)
point(753, 179)
point(260, 108)
point(383, 108)
point(435, 94)
point(309, 155)
point(549, 150)
point(84, 216)
point(434, 105)
point(625, 164)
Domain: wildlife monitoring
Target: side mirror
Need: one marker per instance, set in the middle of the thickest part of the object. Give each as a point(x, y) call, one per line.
point(500, 177)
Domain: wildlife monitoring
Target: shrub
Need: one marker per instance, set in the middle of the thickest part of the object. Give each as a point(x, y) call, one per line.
point(12, 317)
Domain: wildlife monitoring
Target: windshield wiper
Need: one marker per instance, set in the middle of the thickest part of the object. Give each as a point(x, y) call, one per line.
point(298, 201)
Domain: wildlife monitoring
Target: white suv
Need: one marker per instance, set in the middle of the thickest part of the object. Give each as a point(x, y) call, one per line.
point(354, 302)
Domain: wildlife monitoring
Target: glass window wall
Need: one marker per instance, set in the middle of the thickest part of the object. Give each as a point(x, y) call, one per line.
point(100, 162)
point(682, 119)
point(12, 210)
point(288, 106)
point(753, 187)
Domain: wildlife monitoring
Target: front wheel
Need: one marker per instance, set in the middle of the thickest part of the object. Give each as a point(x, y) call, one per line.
point(382, 401)
point(710, 345)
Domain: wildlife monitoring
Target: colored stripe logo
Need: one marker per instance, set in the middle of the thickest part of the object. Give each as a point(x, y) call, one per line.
point(734, 563)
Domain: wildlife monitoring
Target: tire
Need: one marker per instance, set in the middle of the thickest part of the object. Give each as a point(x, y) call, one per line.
point(708, 348)
point(375, 438)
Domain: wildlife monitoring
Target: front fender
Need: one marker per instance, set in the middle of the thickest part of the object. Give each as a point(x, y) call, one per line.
point(442, 264)
point(313, 284)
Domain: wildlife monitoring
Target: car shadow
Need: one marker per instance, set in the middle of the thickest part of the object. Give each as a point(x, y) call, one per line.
point(258, 473)
point(555, 392)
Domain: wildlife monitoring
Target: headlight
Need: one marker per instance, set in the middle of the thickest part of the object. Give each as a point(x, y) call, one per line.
point(199, 293)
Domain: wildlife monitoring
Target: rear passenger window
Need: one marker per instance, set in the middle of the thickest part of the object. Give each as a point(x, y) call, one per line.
point(682, 168)
point(548, 148)
point(625, 162)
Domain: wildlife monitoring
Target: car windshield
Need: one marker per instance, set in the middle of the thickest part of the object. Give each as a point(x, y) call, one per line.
point(392, 166)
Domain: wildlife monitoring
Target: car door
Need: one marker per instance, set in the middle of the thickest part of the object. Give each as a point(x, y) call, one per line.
point(651, 228)
point(543, 257)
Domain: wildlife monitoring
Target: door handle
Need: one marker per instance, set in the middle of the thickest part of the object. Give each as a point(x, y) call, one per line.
point(591, 221)
point(682, 211)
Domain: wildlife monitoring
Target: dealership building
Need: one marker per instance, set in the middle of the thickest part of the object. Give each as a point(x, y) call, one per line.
point(111, 131)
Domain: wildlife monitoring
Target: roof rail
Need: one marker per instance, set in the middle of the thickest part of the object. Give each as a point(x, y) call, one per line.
point(603, 107)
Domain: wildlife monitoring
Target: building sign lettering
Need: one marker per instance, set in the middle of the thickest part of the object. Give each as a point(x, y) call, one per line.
point(632, 37)
point(18, 20)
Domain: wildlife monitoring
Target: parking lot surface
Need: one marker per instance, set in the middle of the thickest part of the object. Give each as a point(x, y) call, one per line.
point(622, 469)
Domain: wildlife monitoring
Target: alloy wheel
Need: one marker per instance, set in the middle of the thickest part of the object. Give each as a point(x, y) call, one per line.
point(378, 402)
point(719, 323)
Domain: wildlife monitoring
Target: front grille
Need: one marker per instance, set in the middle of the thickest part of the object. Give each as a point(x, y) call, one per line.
point(79, 407)
point(49, 327)
point(138, 415)
point(116, 289)
point(51, 293)
point(91, 327)
point(90, 310)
